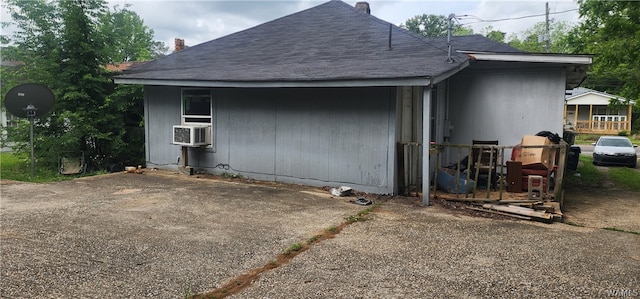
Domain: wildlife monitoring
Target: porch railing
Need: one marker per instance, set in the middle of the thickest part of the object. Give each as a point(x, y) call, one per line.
point(591, 126)
point(459, 152)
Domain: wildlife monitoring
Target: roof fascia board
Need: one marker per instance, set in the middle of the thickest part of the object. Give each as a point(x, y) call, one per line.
point(548, 58)
point(592, 93)
point(604, 95)
point(420, 81)
point(449, 73)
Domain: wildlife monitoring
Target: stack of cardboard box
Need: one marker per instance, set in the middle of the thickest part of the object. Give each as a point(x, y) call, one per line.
point(535, 160)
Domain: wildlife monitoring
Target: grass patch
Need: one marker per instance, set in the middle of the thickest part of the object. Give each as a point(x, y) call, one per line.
point(573, 224)
point(621, 230)
point(590, 176)
point(586, 138)
point(362, 215)
point(17, 167)
point(624, 177)
point(293, 247)
point(313, 239)
point(589, 138)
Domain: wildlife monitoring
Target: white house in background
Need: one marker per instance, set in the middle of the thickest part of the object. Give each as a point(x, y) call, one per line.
point(7, 119)
point(587, 111)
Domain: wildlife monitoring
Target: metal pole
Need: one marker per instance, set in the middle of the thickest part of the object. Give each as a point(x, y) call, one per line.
point(33, 168)
point(547, 37)
point(426, 145)
point(449, 28)
point(31, 114)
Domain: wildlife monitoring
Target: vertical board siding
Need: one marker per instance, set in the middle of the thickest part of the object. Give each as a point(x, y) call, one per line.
point(326, 136)
point(337, 135)
point(251, 132)
point(162, 111)
point(303, 144)
point(506, 105)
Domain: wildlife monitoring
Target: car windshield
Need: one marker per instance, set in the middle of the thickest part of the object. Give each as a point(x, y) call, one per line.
point(615, 142)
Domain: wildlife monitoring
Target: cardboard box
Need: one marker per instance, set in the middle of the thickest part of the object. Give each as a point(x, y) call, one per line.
point(536, 157)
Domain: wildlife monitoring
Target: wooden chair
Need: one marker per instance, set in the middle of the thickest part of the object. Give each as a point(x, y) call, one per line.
point(484, 161)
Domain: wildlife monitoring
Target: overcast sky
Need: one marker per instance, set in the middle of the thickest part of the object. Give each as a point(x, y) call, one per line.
point(200, 21)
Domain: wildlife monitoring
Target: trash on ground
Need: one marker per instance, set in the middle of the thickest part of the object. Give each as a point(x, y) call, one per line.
point(363, 201)
point(342, 191)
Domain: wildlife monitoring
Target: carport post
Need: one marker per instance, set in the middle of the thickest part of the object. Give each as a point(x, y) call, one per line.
point(426, 138)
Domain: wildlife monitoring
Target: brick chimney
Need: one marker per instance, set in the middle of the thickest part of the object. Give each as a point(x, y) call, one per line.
point(363, 7)
point(179, 44)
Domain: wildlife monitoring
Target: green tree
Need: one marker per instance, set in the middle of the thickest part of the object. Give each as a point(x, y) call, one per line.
point(62, 44)
point(610, 30)
point(126, 38)
point(529, 39)
point(434, 26)
point(493, 34)
point(34, 43)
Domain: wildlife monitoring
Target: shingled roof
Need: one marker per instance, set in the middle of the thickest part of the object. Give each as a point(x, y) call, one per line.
point(332, 41)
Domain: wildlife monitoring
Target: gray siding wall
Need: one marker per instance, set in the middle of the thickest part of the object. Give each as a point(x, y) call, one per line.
point(161, 111)
point(505, 105)
point(328, 136)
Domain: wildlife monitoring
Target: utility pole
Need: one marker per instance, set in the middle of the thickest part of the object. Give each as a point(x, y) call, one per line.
point(546, 35)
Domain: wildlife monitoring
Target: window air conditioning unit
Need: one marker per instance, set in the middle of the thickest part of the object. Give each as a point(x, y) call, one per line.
point(191, 135)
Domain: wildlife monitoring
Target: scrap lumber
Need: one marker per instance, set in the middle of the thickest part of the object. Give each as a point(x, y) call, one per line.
point(472, 200)
point(522, 211)
point(498, 213)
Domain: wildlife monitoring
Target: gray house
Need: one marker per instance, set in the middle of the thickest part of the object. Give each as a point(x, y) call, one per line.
point(324, 96)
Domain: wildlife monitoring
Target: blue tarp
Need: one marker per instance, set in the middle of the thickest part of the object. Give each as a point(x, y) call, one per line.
point(447, 182)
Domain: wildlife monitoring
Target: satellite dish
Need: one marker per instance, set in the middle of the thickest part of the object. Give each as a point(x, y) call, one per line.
point(29, 98)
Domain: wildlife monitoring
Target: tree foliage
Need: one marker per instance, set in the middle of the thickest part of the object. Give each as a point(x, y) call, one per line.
point(495, 35)
point(610, 30)
point(66, 45)
point(126, 38)
point(529, 39)
point(434, 26)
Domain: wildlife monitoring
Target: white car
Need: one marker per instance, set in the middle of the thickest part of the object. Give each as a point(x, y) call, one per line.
point(615, 150)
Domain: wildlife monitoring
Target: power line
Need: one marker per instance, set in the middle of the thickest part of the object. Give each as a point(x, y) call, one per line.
point(480, 20)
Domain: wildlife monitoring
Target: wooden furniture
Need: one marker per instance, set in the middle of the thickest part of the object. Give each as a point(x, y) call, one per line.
point(484, 161)
point(514, 176)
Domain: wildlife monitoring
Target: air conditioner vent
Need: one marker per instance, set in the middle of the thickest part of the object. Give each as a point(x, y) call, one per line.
point(191, 135)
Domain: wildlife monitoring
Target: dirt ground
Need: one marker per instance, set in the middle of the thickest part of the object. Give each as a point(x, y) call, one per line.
point(598, 207)
point(163, 235)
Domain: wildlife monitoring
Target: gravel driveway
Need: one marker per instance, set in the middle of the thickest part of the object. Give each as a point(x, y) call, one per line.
point(162, 235)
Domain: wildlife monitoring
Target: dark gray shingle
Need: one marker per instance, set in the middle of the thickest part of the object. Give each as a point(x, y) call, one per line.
point(332, 41)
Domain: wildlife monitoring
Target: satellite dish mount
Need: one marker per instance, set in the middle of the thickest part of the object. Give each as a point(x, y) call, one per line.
point(24, 101)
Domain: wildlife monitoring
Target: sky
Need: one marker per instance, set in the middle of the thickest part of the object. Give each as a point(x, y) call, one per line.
point(203, 20)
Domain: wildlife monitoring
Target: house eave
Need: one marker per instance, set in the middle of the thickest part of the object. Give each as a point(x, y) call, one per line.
point(608, 96)
point(418, 81)
point(528, 57)
point(450, 73)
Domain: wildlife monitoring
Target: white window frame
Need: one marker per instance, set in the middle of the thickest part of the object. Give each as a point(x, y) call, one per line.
point(211, 117)
point(186, 119)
